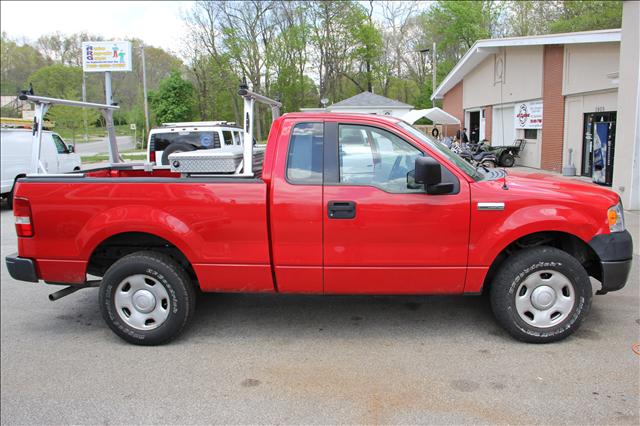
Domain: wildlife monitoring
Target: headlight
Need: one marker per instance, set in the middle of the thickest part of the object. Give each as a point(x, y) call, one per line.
point(615, 216)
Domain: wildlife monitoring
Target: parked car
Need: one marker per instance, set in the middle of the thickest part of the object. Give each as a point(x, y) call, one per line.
point(17, 145)
point(190, 136)
point(414, 218)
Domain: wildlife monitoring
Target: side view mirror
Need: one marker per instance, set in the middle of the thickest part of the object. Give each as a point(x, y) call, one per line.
point(429, 173)
point(71, 148)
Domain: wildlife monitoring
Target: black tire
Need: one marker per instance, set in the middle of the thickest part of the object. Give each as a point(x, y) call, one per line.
point(524, 264)
point(507, 160)
point(168, 273)
point(435, 132)
point(175, 147)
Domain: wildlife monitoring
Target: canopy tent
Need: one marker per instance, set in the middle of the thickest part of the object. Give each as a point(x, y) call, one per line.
point(436, 115)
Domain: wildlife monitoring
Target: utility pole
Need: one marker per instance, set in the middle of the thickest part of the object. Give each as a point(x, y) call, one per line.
point(84, 111)
point(144, 92)
point(433, 66)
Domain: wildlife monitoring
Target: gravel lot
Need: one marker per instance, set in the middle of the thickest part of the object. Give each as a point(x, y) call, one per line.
point(293, 359)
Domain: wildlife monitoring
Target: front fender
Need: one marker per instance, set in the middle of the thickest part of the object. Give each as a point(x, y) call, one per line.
point(493, 231)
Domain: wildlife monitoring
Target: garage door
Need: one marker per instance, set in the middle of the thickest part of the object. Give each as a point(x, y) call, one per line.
point(502, 127)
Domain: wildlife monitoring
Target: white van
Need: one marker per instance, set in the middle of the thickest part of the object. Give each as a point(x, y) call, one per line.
point(16, 146)
point(189, 136)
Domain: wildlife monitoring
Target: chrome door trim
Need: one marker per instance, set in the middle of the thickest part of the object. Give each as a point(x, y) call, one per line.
point(490, 206)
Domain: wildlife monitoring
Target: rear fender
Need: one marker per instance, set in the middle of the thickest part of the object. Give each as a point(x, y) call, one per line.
point(145, 219)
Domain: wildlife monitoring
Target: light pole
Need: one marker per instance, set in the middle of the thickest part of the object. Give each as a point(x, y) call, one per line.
point(144, 93)
point(433, 68)
point(84, 111)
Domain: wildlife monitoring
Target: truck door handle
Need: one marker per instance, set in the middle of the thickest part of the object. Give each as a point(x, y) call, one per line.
point(341, 209)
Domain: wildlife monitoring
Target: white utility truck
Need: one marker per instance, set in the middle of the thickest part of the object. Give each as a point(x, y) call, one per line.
point(17, 147)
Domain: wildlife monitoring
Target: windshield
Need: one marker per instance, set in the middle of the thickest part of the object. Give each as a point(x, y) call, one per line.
point(446, 152)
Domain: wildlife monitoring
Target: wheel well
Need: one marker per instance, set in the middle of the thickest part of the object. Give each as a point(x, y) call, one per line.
point(119, 245)
point(560, 240)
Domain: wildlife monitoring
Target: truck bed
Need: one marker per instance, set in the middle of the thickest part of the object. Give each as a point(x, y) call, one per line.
point(220, 224)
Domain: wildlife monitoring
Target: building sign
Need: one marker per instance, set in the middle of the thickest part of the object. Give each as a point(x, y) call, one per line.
point(528, 115)
point(101, 56)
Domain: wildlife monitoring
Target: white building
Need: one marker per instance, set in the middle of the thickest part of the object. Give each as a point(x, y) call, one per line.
point(368, 103)
point(559, 92)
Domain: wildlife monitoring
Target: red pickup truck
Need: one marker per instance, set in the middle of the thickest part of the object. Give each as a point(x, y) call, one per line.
point(341, 204)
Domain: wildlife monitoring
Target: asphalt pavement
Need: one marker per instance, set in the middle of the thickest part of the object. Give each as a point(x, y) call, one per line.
point(314, 360)
point(102, 146)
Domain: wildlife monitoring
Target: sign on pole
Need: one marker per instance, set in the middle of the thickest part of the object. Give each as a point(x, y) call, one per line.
point(103, 56)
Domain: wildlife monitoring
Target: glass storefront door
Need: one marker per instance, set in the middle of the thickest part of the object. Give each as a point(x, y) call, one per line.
point(598, 145)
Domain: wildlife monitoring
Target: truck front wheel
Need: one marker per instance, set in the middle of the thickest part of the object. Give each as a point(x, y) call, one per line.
point(146, 298)
point(541, 295)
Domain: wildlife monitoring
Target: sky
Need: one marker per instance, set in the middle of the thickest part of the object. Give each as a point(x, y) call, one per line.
point(157, 23)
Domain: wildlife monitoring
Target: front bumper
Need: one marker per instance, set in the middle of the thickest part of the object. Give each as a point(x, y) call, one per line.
point(21, 269)
point(615, 251)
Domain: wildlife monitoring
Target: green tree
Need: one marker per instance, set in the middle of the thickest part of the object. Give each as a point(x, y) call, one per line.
point(588, 15)
point(72, 118)
point(57, 81)
point(368, 48)
point(60, 81)
point(16, 64)
point(174, 100)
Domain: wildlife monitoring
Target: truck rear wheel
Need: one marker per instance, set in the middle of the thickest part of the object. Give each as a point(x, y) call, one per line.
point(541, 295)
point(146, 298)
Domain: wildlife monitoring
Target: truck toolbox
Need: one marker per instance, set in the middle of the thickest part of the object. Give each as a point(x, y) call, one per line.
point(205, 161)
point(208, 161)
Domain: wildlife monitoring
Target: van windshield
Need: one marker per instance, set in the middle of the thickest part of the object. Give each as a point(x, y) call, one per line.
point(446, 152)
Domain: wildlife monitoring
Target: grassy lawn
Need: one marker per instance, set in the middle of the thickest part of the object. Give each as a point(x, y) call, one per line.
point(129, 155)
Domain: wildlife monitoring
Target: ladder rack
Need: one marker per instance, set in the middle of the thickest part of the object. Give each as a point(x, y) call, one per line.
point(43, 104)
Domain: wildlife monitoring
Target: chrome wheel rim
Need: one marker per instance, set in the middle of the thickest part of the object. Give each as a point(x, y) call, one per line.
point(545, 298)
point(142, 302)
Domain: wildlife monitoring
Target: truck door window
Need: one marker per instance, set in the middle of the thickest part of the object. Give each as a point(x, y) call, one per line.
point(304, 161)
point(61, 147)
point(228, 137)
point(372, 156)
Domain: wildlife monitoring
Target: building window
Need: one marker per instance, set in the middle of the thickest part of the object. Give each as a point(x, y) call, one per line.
point(531, 133)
